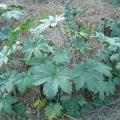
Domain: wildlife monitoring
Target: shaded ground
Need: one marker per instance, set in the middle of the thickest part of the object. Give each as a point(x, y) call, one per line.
point(96, 10)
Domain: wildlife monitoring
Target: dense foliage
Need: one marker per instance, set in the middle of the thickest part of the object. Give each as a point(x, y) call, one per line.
point(65, 87)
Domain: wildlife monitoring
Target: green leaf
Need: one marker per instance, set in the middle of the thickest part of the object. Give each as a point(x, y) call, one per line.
point(15, 14)
point(104, 55)
point(71, 106)
point(35, 46)
point(102, 68)
point(20, 109)
point(71, 25)
point(16, 6)
point(101, 26)
point(114, 27)
point(53, 110)
point(46, 23)
point(3, 6)
point(23, 81)
point(112, 41)
point(88, 74)
point(4, 33)
point(13, 36)
point(86, 109)
point(116, 81)
point(86, 30)
point(115, 57)
point(69, 13)
point(41, 59)
point(51, 88)
point(118, 65)
point(105, 88)
point(3, 58)
point(116, 1)
point(112, 48)
point(62, 55)
point(15, 33)
point(80, 45)
point(26, 25)
point(6, 103)
point(46, 14)
point(52, 77)
point(81, 101)
point(41, 103)
point(7, 81)
point(80, 11)
point(110, 27)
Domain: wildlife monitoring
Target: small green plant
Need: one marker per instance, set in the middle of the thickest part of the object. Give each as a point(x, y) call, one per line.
point(53, 111)
point(115, 1)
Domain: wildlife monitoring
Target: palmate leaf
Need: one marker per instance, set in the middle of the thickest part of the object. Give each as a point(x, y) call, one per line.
point(112, 41)
point(80, 45)
point(6, 103)
point(20, 109)
point(4, 33)
point(103, 55)
point(5, 52)
point(89, 73)
point(41, 59)
point(69, 13)
point(15, 14)
point(114, 26)
point(110, 27)
point(62, 55)
point(72, 25)
point(23, 81)
point(71, 105)
point(10, 79)
point(35, 46)
point(52, 77)
point(105, 88)
point(7, 81)
point(46, 23)
point(53, 111)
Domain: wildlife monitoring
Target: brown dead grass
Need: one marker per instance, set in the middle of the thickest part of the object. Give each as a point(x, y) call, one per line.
point(96, 10)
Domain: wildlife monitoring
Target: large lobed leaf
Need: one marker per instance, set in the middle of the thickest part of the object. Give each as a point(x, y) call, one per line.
point(7, 81)
point(105, 88)
point(23, 81)
point(52, 77)
point(62, 55)
point(10, 79)
point(89, 73)
point(15, 14)
point(6, 103)
point(35, 46)
point(115, 41)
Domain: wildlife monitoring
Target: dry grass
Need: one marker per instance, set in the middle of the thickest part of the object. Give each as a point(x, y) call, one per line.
point(96, 10)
